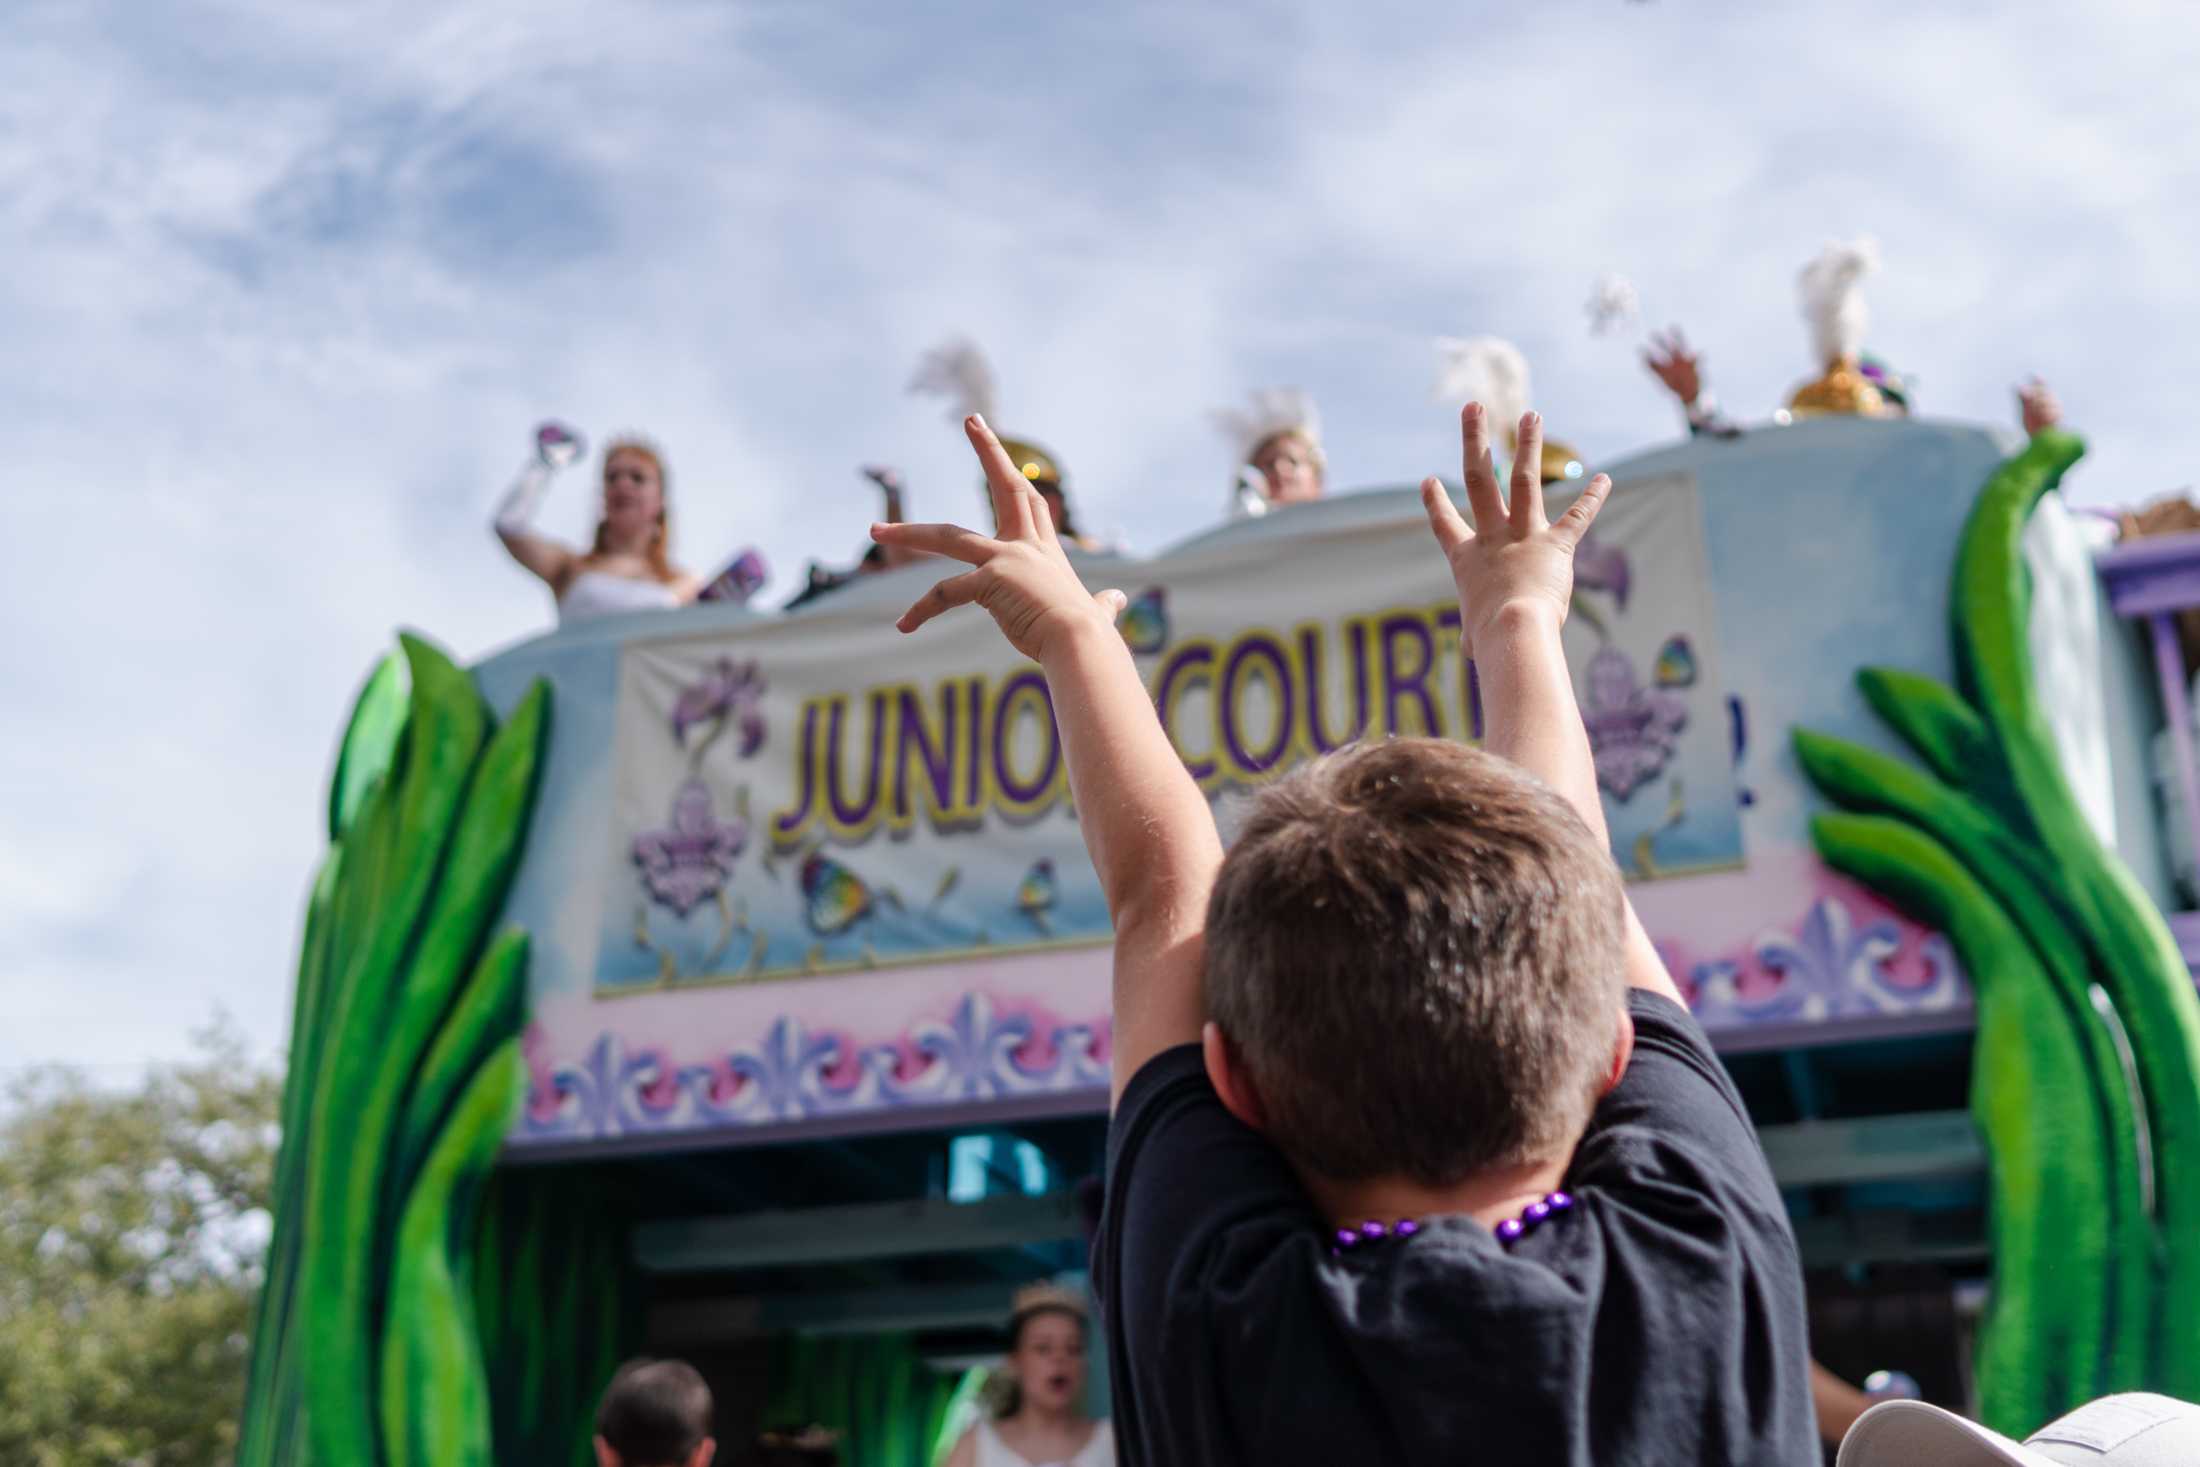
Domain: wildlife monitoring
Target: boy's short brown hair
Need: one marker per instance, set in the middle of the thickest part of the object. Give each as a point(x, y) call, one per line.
point(1415, 950)
point(655, 1413)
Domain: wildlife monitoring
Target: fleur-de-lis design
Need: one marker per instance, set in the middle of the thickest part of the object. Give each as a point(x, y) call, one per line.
point(795, 1073)
point(975, 1054)
point(687, 862)
point(786, 1073)
point(1632, 729)
point(1830, 962)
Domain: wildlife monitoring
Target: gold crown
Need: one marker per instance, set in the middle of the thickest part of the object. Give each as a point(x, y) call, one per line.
point(1844, 391)
point(1560, 462)
point(1032, 461)
point(1034, 1297)
point(1557, 462)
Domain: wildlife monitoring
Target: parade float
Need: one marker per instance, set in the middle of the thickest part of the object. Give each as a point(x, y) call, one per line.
point(733, 984)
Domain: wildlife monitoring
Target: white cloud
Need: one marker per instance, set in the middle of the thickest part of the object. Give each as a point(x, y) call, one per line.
point(288, 286)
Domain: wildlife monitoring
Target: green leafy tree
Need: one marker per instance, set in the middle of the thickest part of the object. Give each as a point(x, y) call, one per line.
point(132, 1222)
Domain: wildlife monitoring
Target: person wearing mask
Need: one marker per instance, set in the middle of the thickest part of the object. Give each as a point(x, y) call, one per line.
point(958, 371)
point(627, 565)
point(1679, 368)
point(1038, 1417)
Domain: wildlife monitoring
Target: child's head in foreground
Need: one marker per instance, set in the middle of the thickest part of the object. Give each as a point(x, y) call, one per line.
point(1414, 957)
point(655, 1413)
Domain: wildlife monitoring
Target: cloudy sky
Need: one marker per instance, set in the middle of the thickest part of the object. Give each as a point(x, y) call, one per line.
point(285, 287)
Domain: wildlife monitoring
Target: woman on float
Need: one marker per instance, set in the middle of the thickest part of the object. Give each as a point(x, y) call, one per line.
point(1278, 438)
point(627, 566)
point(1039, 1417)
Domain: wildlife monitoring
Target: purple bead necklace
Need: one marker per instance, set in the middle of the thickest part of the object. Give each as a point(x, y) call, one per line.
point(1510, 1231)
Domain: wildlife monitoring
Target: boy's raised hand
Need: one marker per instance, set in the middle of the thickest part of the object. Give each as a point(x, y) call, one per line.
point(1020, 575)
point(1512, 558)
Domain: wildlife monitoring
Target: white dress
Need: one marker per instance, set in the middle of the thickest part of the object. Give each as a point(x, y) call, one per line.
point(593, 593)
point(993, 1452)
point(596, 593)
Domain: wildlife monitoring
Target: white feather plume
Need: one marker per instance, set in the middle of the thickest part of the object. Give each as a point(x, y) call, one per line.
point(1269, 411)
point(1487, 370)
point(1833, 298)
point(959, 372)
point(1613, 305)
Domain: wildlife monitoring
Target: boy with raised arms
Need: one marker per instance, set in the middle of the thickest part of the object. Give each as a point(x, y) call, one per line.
point(1416, 1155)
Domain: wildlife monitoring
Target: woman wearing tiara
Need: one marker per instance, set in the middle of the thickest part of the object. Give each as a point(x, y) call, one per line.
point(1038, 1417)
point(627, 565)
point(1278, 438)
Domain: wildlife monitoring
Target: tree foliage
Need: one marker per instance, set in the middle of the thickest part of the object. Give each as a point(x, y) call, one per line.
point(131, 1227)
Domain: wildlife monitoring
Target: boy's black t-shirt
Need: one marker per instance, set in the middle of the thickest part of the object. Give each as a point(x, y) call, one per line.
point(1660, 1320)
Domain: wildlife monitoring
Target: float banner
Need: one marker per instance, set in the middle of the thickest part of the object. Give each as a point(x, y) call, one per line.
point(819, 793)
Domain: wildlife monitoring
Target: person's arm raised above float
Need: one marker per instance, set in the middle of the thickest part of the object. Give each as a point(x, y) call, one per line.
point(2037, 408)
point(1146, 825)
point(1514, 570)
point(1673, 362)
point(555, 446)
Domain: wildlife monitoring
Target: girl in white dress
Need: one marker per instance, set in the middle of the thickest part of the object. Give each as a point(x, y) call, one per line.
point(1040, 1419)
point(626, 567)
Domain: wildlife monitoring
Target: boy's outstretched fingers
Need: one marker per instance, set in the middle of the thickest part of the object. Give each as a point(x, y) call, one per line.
point(1478, 468)
point(1443, 516)
point(1014, 500)
point(1527, 482)
point(1582, 513)
point(952, 541)
point(944, 596)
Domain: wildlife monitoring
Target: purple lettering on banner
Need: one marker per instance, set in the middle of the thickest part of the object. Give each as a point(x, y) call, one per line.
point(936, 762)
point(1404, 683)
point(1310, 659)
point(788, 824)
point(1236, 670)
point(974, 778)
point(859, 815)
point(1448, 620)
point(1193, 662)
point(1015, 791)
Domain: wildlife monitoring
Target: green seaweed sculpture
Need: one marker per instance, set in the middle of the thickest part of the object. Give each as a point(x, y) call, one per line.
point(557, 1303)
point(2086, 1081)
point(405, 1076)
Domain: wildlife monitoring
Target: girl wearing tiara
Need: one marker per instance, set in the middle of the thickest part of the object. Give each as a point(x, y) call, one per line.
point(1038, 1413)
point(1278, 438)
point(627, 566)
